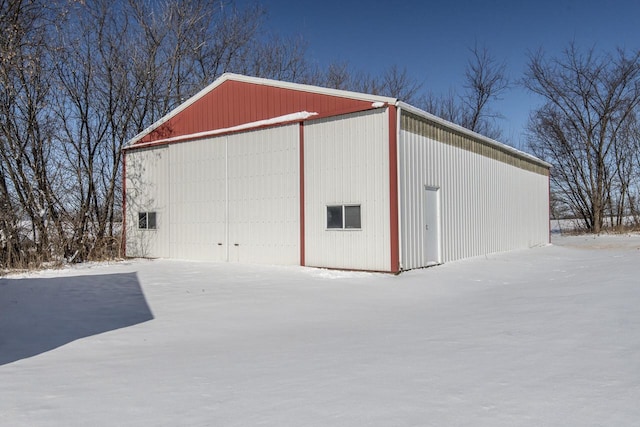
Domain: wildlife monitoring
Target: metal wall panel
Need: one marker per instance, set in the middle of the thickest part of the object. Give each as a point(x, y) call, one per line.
point(346, 161)
point(264, 196)
point(230, 198)
point(487, 205)
point(147, 190)
point(198, 199)
point(466, 140)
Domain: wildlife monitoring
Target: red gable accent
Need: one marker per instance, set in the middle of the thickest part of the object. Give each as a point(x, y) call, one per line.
point(234, 103)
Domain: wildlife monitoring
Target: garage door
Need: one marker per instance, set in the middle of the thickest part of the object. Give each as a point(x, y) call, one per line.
point(198, 200)
point(236, 198)
point(264, 191)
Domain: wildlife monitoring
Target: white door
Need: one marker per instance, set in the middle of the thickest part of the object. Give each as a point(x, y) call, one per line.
point(432, 225)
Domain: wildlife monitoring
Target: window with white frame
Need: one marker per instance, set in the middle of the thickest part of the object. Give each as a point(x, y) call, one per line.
point(344, 217)
point(147, 220)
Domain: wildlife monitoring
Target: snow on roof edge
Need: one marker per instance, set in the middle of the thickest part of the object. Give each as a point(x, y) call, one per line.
point(287, 118)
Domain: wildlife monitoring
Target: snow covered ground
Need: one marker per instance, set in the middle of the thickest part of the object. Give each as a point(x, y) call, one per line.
point(542, 337)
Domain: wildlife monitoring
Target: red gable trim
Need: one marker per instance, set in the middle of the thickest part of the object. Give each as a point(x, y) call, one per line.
point(233, 103)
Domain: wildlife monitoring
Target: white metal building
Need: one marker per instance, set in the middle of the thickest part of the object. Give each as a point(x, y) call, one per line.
point(260, 171)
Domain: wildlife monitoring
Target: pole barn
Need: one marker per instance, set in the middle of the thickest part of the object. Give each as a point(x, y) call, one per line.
point(253, 170)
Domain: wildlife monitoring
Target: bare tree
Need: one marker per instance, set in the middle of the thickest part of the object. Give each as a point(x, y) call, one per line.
point(279, 58)
point(338, 75)
point(364, 82)
point(26, 128)
point(227, 39)
point(393, 82)
point(591, 100)
point(95, 101)
point(634, 189)
point(620, 197)
point(485, 81)
point(399, 84)
point(446, 106)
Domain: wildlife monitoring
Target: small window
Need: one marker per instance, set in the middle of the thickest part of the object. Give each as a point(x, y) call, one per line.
point(147, 220)
point(334, 216)
point(352, 217)
point(151, 220)
point(343, 217)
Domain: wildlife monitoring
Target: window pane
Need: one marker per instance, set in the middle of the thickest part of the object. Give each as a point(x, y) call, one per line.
point(142, 220)
point(334, 216)
point(151, 220)
point(352, 217)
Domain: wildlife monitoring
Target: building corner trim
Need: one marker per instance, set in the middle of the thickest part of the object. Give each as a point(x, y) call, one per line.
point(123, 232)
point(393, 189)
point(302, 213)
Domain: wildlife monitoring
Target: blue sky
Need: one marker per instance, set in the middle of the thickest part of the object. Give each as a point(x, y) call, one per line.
point(431, 38)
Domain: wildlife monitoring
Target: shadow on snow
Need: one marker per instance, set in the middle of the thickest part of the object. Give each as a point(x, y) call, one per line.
point(38, 315)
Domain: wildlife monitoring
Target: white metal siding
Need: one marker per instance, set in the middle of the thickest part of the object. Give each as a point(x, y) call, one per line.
point(347, 162)
point(147, 190)
point(264, 196)
point(228, 198)
point(486, 205)
point(198, 199)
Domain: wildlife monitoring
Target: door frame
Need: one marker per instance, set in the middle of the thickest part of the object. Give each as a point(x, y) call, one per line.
point(434, 211)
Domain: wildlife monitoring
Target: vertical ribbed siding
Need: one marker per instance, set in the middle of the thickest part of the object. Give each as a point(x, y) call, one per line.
point(487, 205)
point(347, 162)
point(232, 198)
point(468, 141)
point(264, 196)
point(234, 103)
point(198, 200)
point(147, 190)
